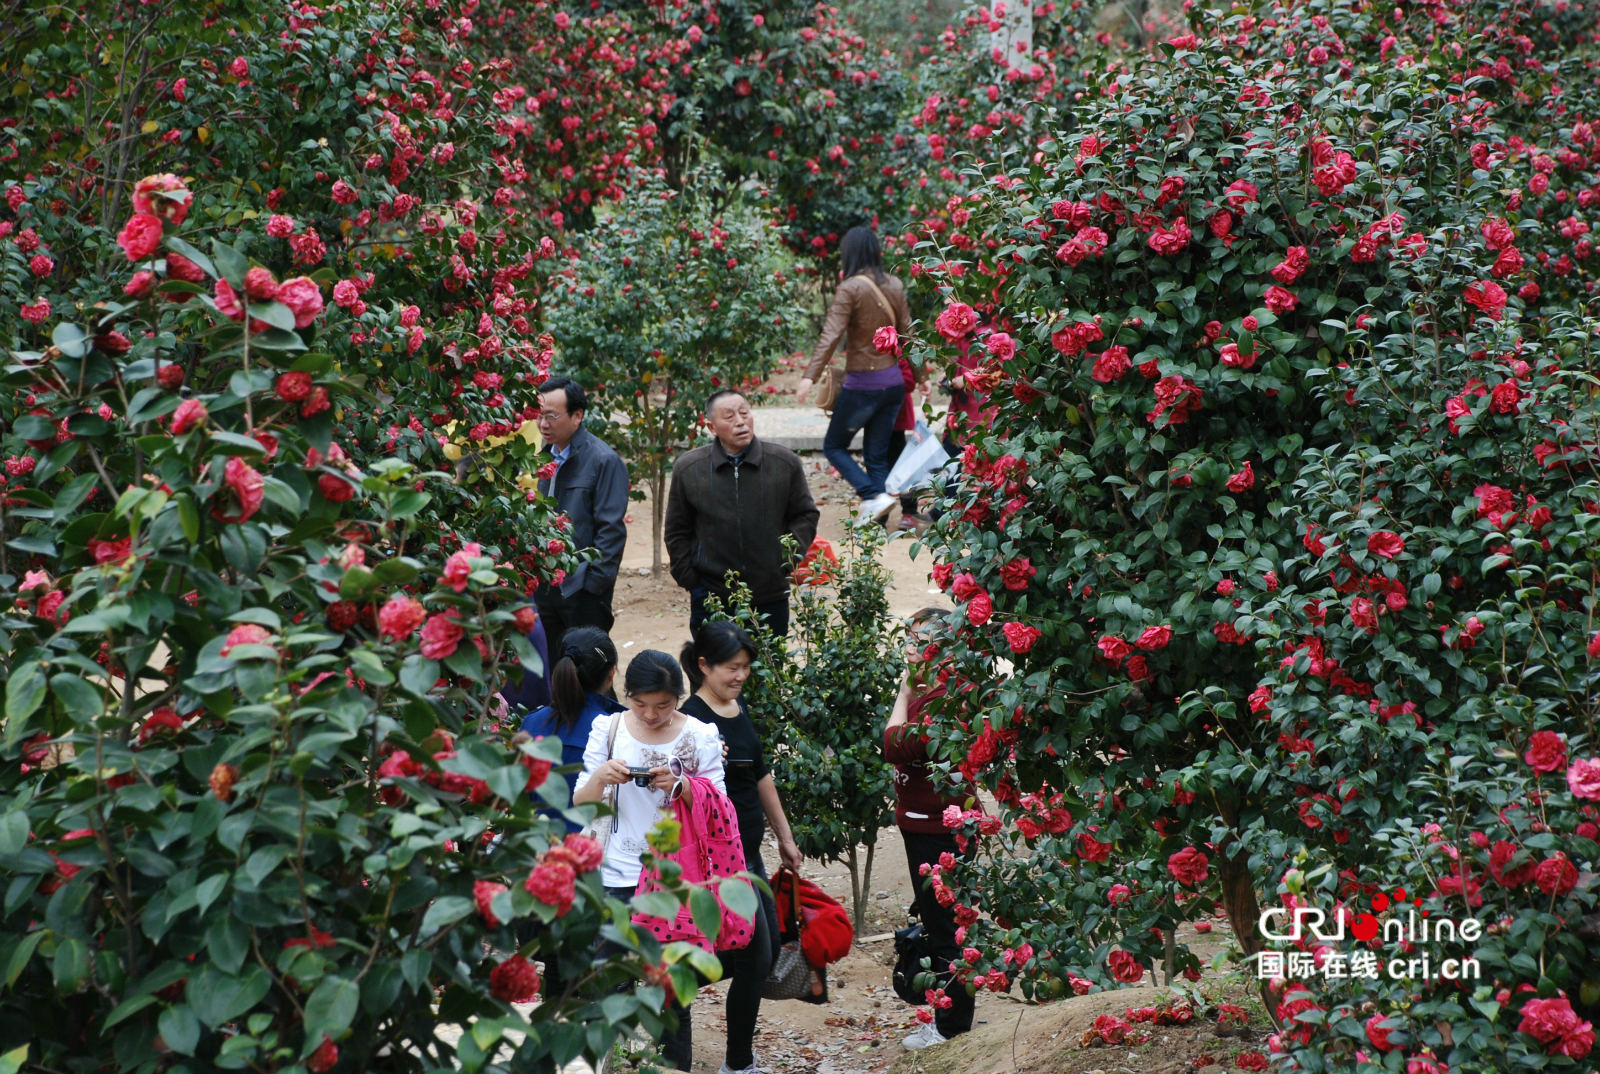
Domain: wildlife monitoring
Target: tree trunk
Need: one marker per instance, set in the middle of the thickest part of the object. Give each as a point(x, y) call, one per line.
point(1239, 897)
point(866, 886)
point(854, 865)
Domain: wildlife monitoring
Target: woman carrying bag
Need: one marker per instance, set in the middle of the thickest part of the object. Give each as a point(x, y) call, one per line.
point(650, 753)
point(718, 662)
point(867, 301)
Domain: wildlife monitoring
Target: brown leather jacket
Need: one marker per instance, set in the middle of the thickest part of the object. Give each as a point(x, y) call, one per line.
point(853, 318)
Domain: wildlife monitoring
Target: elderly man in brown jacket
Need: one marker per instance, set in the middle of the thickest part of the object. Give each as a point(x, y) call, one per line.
point(730, 505)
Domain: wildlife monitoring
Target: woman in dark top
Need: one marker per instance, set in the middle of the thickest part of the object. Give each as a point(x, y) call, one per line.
point(584, 669)
point(919, 814)
point(718, 663)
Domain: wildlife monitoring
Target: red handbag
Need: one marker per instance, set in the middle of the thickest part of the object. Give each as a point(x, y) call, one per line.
point(825, 930)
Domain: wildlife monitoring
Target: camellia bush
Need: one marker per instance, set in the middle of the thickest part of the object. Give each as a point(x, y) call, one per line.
point(256, 810)
point(1275, 574)
point(665, 304)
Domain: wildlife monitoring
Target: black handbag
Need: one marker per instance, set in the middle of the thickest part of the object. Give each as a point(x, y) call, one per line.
point(910, 948)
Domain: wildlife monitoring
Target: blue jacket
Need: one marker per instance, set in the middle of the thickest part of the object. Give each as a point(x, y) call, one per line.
point(542, 724)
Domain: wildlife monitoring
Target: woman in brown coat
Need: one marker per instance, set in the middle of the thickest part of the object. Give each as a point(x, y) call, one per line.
point(867, 301)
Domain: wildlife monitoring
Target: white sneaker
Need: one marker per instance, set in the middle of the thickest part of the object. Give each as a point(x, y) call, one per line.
point(874, 508)
point(751, 1069)
point(924, 1036)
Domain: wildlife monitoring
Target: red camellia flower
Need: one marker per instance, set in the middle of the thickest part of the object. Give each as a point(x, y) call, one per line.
point(1230, 355)
point(1547, 752)
point(335, 489)
point(483, 893)
point(1488, 296)
point(1124, 967)
point(1553, 1023)
point(293, 387)
point(1243, 481)
point(260, 284)
point(1112, 365)
point(1113, 648)
point(1092, 849)
point(1386, 544)
point(324, 1058)
point(441, 635)
point(1295, 262)
point(248, 488)
point(979, 609)
point(400, 616)
point(458, 567)
point(190, 413)
point(553, 883)
point(956, 321)
point(140, 236)
point(1189, 867)
point(1280, 300)
point(1021, 636)
point(1000, 346)
point(886, 340)
point(516, 980)
point(1155, 637)
point(1555, 876)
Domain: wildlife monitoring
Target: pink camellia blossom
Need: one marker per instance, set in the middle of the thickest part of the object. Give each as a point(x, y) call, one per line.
point(459, 566)
point(164, 196)
point(41, 266)
point(441, 635)
point(956, 321)
point(1001, 346)
point(245, 634)
point(260, 285)
point(36, 312)
point(140, 236)
point(1119, 894)
point(1547, 752)
point(483, 893)
point(400, 616)
point(1189, 867)
point(1583, 778)
point(303, 297)
point(553, 883)
point(1156, 637)
point(1386, 544)
point(190, 413)
point(140, 284)
point(280, 226)
point(1232, 356)
point(886, 340)
point(227, 300)
point(1021, 636)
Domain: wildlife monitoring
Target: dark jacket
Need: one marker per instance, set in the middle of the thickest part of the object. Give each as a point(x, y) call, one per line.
point(724, 518)
point(591, 488)
point(853, 319)
point(919, 801)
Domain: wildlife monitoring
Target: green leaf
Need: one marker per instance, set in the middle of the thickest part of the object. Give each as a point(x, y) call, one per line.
point(227, 943)
point(417, 674)
point(71, 964)
point(80, 700)
point(24, 692)
point(445, 911)
point(217, 997)
point(24, 952)
point(179, 246)
point(13, 832)
point(71, 338)
point(332, 1007)
point(12, 1062)
point(707, 914)
point(230, 263)
point(180, 1029)
point(739, 897)
point(35, 427)
point(129, 1007)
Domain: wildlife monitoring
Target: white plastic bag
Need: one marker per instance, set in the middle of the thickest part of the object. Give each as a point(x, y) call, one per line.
point(923, 456)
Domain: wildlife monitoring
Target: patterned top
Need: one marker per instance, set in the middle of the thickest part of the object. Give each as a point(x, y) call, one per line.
point(696, 747)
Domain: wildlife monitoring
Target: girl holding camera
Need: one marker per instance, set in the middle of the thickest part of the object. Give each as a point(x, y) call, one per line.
point(647, 752)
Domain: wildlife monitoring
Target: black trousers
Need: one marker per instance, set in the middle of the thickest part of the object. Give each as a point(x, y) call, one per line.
point(561, 614)
point(775, 613)
point(939, 927)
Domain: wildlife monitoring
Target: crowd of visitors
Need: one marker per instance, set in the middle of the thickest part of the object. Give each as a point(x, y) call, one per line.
point(739, 511)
